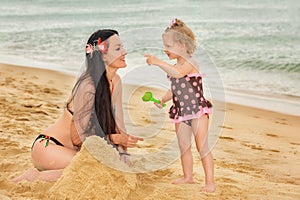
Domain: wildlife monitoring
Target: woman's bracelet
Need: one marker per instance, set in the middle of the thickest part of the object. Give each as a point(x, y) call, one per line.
point(124, 153)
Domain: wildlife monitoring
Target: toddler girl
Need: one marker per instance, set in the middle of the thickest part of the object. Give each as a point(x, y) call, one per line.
point(190, 110)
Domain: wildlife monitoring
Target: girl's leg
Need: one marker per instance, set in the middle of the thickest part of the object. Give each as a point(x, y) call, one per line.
point(184, 134)
point(200, 129)
point(50, 160)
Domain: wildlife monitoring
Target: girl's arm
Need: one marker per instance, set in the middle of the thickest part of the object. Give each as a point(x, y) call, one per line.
point(176, 72)
point(167, 97)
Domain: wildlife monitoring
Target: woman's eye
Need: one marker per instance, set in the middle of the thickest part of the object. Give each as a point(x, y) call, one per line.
point(118, 49)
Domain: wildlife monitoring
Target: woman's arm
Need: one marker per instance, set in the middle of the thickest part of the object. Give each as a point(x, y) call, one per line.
point(176, 72)
point(118, 104)
point(82, 106)
point(123, 139)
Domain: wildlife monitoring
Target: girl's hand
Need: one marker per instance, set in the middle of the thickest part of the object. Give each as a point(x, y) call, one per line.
point(125, 139)
point(150, 59)
point(161, 105)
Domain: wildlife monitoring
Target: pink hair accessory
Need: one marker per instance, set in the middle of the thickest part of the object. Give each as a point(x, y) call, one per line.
point(173, 21)
point(102, 46)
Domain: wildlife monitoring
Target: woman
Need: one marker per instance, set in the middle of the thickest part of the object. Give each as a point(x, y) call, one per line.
point(94, 108)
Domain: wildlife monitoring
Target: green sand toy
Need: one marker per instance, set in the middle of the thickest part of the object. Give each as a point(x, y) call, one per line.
point(148, 97)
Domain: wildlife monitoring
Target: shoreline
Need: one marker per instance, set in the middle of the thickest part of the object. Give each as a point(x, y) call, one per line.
point(255, 151)
point(289, 105)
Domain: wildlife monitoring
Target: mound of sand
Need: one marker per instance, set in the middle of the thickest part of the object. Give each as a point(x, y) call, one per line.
point(86, 175)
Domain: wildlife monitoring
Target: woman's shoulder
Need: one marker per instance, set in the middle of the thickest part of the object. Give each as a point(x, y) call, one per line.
point(86, 84)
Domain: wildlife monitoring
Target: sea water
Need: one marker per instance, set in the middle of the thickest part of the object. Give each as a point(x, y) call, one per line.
point(253, 45)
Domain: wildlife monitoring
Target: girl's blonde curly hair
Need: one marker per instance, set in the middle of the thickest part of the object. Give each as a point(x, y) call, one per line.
point(183, 34)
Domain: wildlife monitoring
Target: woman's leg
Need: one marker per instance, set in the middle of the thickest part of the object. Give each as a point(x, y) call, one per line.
point(51, 157)
point(48, 161)
point(200, 129)
point(184, 134)
point(33, 174)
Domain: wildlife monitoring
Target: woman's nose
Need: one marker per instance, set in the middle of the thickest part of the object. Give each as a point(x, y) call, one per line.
point(124, 52)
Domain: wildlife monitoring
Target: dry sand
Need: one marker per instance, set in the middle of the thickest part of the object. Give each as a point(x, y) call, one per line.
point(256, 156)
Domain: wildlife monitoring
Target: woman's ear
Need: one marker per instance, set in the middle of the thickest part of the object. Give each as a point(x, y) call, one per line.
point(104, 57)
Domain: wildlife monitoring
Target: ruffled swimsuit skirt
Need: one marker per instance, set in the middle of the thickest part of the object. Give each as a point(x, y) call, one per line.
point(188, 100)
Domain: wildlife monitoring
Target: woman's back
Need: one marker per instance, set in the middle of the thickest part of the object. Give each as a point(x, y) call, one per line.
point(61, 129)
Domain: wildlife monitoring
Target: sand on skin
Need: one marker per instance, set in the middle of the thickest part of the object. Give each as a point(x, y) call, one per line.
point(256, 157)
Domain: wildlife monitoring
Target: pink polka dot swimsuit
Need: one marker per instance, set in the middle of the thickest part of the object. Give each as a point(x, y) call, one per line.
point(188, 100)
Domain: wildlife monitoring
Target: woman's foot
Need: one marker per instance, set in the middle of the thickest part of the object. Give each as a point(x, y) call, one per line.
point(29, 175)
point(209, 188)
point(33, 174)
point(183, 181)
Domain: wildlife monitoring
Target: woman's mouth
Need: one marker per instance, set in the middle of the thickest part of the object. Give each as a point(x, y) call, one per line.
point(123, 59)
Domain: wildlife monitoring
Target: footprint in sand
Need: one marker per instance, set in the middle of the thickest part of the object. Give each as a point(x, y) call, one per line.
point(272, 150)
point(9, 80)
point(9, 167)
point(295, 143)
point(226, 138)
point(35, 77)
point(226, 127)
point(51, 91)
point(226, 180)
point(31, 106)
point(22, 119)
point(39, 112)
point(252, 146)
point(271, 135)
point(260, 148)
point(283, 123)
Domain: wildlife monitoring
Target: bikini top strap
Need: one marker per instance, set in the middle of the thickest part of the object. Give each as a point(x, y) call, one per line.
point(68, 108)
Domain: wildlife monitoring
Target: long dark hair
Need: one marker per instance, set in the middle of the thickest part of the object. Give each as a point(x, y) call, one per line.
point(102, 121)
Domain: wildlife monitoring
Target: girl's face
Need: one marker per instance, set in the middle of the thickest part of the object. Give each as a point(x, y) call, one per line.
point(115, 56)
point(173, 49)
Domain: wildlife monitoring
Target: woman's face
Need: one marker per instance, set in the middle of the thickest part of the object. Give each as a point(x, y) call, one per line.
point(115, 56)
point(172, 49)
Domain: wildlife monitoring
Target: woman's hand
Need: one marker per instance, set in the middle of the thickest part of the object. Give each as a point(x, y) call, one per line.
point(124, 156)
point(126, 159)
point(125, 139)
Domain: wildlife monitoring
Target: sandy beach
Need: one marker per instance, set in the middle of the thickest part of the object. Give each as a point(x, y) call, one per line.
point(257, 155)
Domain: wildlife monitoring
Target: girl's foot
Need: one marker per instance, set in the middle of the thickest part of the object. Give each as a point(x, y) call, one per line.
point(209, 188)
point(183, 181)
